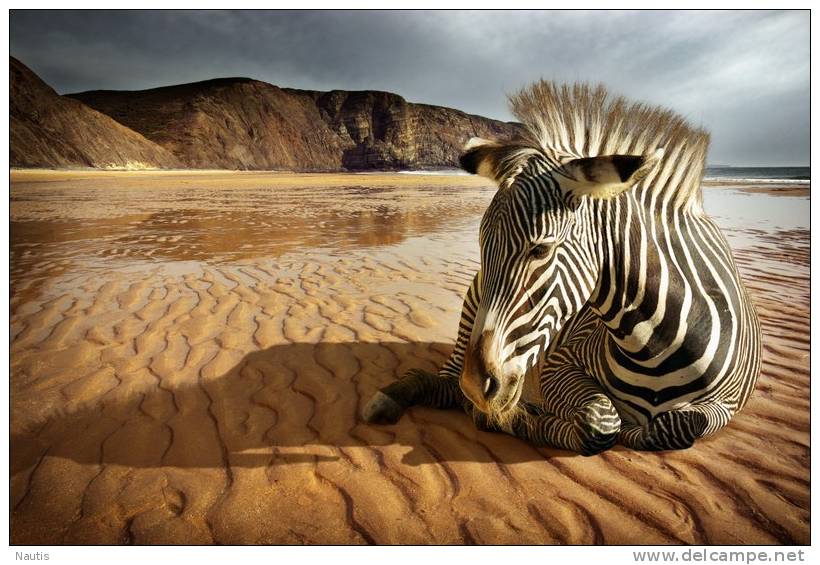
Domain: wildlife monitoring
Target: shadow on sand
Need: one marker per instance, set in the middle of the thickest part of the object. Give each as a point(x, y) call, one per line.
point(288, 404)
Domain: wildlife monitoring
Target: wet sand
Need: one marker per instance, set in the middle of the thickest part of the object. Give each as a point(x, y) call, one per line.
point(772, 188)
point(190, 353)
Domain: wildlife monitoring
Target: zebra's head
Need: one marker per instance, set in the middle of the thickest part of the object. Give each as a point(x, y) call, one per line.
point(538, 257)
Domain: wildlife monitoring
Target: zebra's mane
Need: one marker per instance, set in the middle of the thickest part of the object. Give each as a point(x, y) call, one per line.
point(583, 120)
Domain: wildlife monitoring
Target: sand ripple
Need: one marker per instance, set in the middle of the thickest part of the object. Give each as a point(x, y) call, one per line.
point(184, 400)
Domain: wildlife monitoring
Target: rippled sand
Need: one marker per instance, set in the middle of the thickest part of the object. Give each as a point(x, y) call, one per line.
point(190, 353)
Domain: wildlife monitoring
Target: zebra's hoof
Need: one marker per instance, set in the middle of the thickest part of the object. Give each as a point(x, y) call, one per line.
point(676, 430)
point(597, 425)
point(381, 409)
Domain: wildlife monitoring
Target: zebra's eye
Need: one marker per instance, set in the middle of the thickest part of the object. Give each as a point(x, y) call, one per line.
point(541, 250)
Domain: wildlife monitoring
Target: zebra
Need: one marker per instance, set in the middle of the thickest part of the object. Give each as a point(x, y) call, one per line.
point(601, 271)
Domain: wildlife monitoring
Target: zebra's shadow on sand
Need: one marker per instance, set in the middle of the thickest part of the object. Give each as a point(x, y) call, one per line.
point(287, 404)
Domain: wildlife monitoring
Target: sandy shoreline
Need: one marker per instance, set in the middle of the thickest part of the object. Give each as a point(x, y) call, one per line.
point(771, 188)
point(220, 175)
point(188, 365)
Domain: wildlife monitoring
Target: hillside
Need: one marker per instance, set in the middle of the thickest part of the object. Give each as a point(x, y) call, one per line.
point(49, 130)
point(239, 123)
point(234, 123)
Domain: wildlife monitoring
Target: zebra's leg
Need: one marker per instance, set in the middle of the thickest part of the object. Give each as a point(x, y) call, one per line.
point(576, 414)
point(418, 387)
point(677, 429)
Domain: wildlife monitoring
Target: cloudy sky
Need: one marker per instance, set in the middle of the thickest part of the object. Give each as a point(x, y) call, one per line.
point(742, 75)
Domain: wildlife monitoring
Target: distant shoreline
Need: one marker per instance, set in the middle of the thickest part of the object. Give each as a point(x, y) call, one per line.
point(439, 171)
point(757, 187)
point(20, 174)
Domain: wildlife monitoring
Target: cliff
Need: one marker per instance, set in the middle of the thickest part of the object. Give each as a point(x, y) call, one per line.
point(236, 123)
point(49, 130)
point(226, 124)
point(380, 130)
point(240, 123)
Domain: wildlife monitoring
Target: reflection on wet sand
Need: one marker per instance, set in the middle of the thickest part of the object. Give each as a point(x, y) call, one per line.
point(60, 227)
point(190, 354)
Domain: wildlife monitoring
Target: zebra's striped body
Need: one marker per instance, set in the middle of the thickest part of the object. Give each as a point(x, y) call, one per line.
point(597, 259)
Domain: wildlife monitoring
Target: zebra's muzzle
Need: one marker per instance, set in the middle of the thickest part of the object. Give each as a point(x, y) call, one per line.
point(517, 389)
point(483, 382)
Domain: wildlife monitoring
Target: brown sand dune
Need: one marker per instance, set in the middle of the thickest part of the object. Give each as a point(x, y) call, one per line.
point(188, 366)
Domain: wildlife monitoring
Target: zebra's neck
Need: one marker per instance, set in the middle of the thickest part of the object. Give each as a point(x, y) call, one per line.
point(643, 294)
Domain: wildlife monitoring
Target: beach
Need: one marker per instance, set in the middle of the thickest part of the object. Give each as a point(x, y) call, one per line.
point(191, 351)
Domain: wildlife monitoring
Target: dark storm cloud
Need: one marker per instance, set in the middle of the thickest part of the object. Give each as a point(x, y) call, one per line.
point(742, 75)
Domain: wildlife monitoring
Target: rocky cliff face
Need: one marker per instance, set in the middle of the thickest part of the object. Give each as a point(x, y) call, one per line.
point(227, 124)
point(380, 130)
point(49, 130)
point(237, 123)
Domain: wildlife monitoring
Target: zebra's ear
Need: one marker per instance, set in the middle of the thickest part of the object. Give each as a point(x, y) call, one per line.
point(606, 176)
point(479, 157)
point(494, 160)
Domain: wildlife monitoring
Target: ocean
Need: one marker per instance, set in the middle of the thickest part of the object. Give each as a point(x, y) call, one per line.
point(796, 175)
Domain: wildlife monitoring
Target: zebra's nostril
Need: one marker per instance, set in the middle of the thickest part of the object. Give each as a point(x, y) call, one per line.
point(490, 387)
